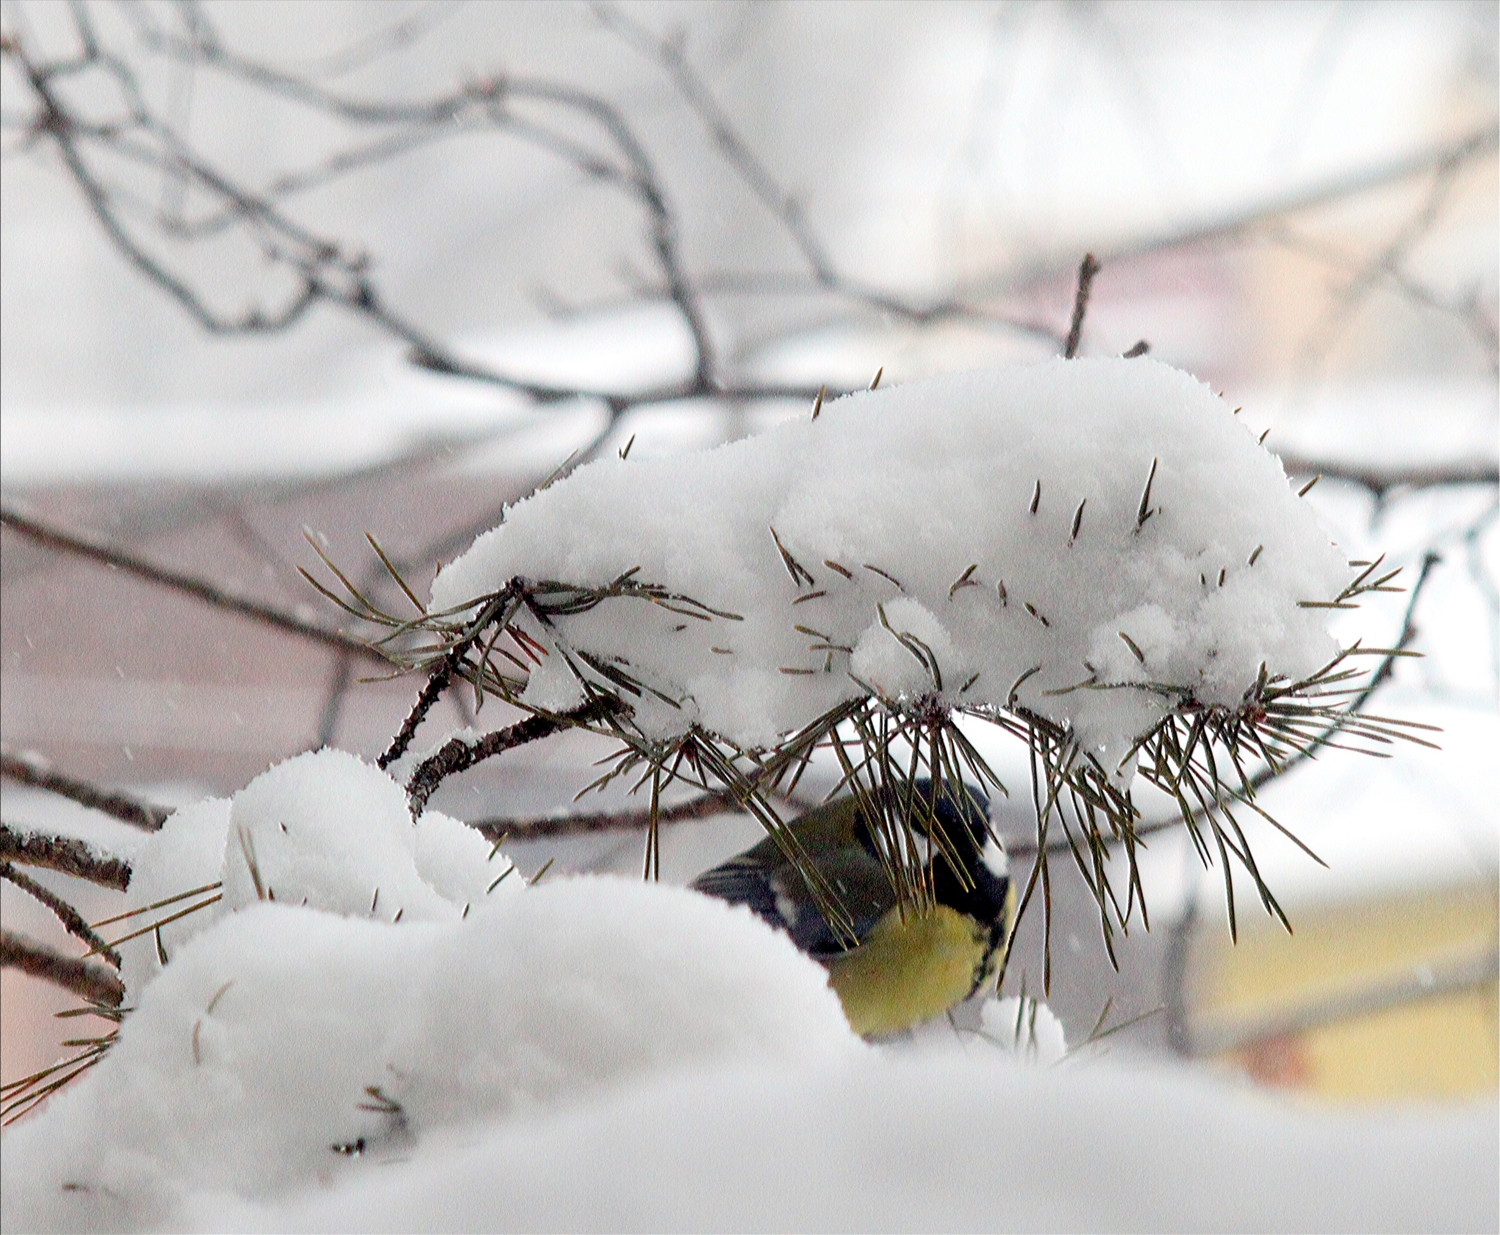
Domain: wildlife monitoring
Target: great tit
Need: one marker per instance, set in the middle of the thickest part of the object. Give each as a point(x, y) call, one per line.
point(904, 964)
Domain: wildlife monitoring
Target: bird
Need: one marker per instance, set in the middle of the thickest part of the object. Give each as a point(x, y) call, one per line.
point(901, 964)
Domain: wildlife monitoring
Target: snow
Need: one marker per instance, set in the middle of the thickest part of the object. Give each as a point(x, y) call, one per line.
point(877, 1141)
point(323, 829)
point(331, 831)
point(594, 1052)
point(944, 1143)
point(32, 811)
point(604, 1054)
point(599, 1052)
point(261, 1046)
point(885, 503)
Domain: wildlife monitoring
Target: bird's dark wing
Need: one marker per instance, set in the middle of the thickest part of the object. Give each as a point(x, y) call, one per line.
point(766, 882)
point(742, 881)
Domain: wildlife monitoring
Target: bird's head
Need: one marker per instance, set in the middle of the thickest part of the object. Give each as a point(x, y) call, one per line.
point(962, 816)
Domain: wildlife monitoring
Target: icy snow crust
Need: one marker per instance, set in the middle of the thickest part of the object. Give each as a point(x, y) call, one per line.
point(921, 482)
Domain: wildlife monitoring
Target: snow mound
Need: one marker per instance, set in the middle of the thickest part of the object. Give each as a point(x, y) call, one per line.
point(974, 1142)
point(950, 537)
point(286, 1046)
point(323, 829)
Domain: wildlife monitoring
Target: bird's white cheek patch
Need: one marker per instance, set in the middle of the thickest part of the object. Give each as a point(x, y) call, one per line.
point(995, 859)
point(785, 906)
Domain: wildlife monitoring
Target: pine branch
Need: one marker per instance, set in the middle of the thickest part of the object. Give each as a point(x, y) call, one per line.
point(1265, 775)
point(459, 754)
point(73, 921)
point(188, 585)
point(442, 675)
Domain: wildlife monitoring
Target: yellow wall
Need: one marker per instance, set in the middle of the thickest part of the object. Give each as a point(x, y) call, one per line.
point(1342, 1008)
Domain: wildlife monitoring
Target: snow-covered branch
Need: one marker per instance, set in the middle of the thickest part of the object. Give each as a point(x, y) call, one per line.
point(72, 921)
point(27, 769)
point(66, 854)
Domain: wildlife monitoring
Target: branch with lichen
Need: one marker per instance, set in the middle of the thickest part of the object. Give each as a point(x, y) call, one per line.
point(65, 854)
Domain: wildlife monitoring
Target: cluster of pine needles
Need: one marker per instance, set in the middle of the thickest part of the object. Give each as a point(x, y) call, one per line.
point(1209, 760)
point(18, 1097)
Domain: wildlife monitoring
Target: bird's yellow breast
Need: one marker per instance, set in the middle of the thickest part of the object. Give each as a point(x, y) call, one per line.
point(910, 969)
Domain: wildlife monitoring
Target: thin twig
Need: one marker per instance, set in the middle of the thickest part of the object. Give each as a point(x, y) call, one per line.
point(1246, 220)
point(1381, 479)
point(785, 207)
point(1087, 269)
point(73, 921)
point(84, 978)
point(718, 802)
point(189, 585)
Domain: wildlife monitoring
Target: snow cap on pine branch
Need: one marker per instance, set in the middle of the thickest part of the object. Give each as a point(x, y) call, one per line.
point(1004, 539)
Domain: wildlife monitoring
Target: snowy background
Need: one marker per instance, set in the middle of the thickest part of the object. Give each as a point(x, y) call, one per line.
point(1296, 203)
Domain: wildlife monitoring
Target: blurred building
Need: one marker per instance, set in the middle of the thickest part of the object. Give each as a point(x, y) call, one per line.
point(1372, 999)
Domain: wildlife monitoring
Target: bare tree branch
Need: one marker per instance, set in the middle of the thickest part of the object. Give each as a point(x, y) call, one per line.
point(785, 207)
point(1382, 266)
point(324, 271)
point(584, 822)
point(65, 854)
point(1248, 219)
point(28, 769)
point(1390, 273)
point(93, 982)
point(1381, 479)
point(322, 268)
point(1412, 986)
point(189, 585)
